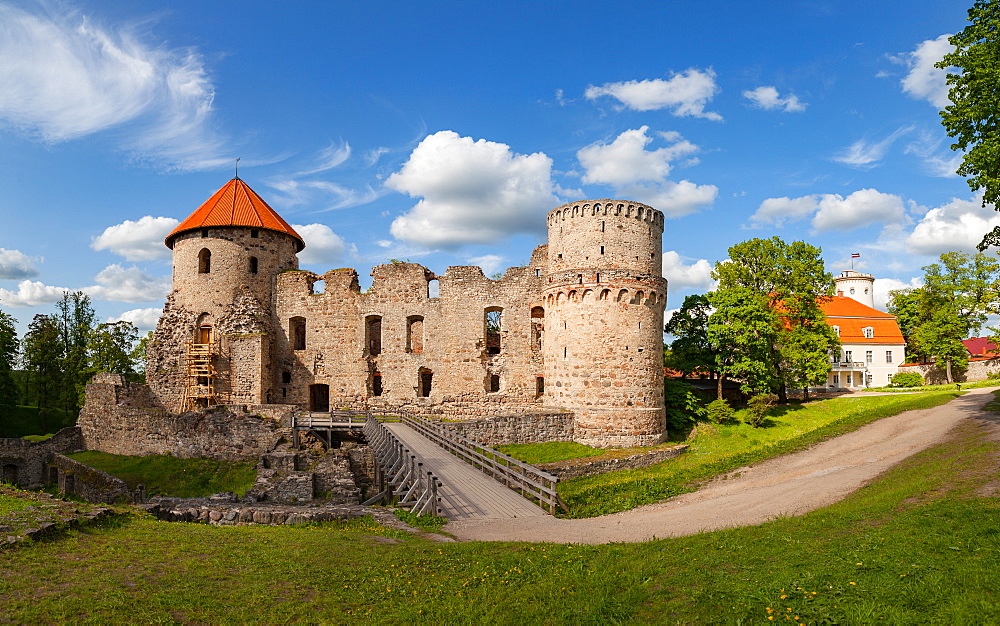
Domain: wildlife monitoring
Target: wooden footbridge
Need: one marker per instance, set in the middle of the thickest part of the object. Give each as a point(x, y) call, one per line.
point(428, 468)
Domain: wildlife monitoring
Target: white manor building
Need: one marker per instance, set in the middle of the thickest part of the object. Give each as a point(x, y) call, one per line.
point(872, 346)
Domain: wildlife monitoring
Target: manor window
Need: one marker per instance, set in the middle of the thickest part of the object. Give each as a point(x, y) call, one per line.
point(868, 357)
point(888, 356)
point(868, 332)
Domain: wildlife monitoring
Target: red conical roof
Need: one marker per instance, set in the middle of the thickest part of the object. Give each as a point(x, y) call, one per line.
point(236, 204)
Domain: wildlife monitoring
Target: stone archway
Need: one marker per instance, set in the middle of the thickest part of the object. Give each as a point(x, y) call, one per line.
point(8, 474)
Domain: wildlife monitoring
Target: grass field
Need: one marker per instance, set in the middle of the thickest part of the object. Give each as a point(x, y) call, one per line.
point(918, 545)
point(170, 476)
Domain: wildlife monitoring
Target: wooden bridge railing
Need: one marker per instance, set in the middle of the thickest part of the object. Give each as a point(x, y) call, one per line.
point(400, 474)
point(531, 482)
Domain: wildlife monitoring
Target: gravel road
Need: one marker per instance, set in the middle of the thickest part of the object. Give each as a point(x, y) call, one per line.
point(789, 485)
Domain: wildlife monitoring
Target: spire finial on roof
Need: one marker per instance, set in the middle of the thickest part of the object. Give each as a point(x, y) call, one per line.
point(237, 168)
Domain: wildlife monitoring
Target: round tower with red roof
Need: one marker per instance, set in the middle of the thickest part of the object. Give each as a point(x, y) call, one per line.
point(213, 343)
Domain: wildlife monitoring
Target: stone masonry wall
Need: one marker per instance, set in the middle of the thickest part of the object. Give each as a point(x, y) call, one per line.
point(508, 429)
point(89, 483)
point(25, 460)
point(935, 375)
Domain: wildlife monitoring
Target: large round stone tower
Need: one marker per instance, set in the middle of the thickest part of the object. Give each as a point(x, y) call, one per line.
point(213, 342)
point(604, 298)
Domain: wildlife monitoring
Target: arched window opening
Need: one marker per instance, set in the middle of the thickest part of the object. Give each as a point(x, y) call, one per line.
point(253, 265)
point(415, 334)
point(297, 332)
point(539, 385)
point(376, 381)
point(637, 298)
point(203, 329)
point(205, 261)
point(433, 288)
point(493, 383)
point(318, 287)
point(373, 335)
point(623, 295)
point(424, 379)
point(537, 327)
point(493, 319)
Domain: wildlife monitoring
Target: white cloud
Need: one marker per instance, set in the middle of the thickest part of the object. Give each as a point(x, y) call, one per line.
point(832, 211)
point(489, 262)
point(372, 156)
point(471, 192)
point(958, 225)
point(866, 154)
point(31, 293)
point(64, 76)
point(937, 161)
point(143, 319)
point(330, 157)
point(119, 284)
point(328, 196)
point(697, 275)
point(923, 81)
point(882, 287)
point(141, 240)
point(626, 160)
point(322, 244)
point(640, 174)
point(768, 98)
point(685, 94)
point(15, 264)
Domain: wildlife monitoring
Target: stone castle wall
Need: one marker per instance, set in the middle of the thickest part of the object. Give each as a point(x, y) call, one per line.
point(508, 429)
point(23, 462)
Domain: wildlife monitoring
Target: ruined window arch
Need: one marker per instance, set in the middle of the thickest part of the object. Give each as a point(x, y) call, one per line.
point(433, 288)
point(376, 383)
point(319, 398)
point(373, 335)
point(318, 287)
point(623, 295)
point(637, 298)
point(537, 327)
point(254, 265)
point(297, 332)
point(425, 378)
point(205, 261)
point(588, 295)
point(415, 334)
point(493, 383)
point(203, 329)
point(605, 293)
point(493, 325)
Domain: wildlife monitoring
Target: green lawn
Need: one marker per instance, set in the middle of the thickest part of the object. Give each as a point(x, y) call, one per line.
point(719, 448)
point(169, 476)
point(10, 503)
point(917, 546)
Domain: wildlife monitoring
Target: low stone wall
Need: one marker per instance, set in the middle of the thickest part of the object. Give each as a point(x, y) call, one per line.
point(507, 429)
point(574, 468)
point(22, 462)
point(207, 511)
point(934, 374)
point(88, 483)
point(121, 418)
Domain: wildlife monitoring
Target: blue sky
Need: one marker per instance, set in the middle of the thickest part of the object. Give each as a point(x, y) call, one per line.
point(442, 132)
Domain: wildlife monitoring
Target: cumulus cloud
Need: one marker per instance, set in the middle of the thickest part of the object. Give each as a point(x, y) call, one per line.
point(31, 293)
point(15, 264)
point(65, 77)
point(832, 211)
point(957, 225)
point(141, 240)
point(684, 94)
point(697, 275)
point(471, 192)
point(768, 98)
point(143, 319)
point(866, 154)
point(635, 172)
point(120, 284)
point(322, 244)
point(923, 81)
point(490, 263)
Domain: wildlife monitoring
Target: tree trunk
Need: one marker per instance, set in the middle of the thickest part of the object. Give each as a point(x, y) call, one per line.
point(805, 394)
point(947, 371)
point(718, 386)
point(782, 394)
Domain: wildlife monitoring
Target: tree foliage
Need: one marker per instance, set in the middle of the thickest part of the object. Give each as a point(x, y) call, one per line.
point(42, 356)
point(9, 347)
point(971, 118)
point(690, 350)
point(768, 326)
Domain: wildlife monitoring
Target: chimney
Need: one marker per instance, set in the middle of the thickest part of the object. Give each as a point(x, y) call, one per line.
point(840, 293)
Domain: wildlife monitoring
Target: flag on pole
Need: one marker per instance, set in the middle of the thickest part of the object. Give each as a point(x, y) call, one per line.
point(855, 255)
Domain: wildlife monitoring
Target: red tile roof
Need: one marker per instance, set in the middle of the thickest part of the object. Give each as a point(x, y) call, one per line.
point(980, 346)
point(852, 318)
point(236, 204)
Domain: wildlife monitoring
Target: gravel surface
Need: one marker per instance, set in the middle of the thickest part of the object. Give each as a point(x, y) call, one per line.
point(789, 485)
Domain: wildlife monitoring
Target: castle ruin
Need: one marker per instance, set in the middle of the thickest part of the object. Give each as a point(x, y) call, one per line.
point(579, 329)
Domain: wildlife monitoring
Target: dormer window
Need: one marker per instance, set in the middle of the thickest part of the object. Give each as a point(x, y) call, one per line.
point(868, 332)
point(836, 330)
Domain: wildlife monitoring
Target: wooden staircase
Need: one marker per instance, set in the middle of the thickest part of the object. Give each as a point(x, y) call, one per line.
point(200, 390)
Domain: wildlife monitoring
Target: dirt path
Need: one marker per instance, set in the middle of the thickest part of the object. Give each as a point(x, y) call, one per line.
point(789, 485)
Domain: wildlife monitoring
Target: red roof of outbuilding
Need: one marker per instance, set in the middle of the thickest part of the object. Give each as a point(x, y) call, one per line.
point(852, 317)
point(980, 346)
point(236, 204)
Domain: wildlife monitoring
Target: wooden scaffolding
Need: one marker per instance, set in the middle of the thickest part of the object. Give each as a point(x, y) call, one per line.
point(199, 393)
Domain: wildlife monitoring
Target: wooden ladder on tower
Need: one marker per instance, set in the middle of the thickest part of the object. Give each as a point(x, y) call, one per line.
point(200, 390)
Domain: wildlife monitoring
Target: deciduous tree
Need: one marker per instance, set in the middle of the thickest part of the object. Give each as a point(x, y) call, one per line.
point(690, 350)
point(43, 352)
point(9, 346)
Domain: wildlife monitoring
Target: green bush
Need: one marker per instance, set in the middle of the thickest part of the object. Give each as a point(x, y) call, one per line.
point(757, 408)
point(719, 412)
point(907, 379)
point(682, 404)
